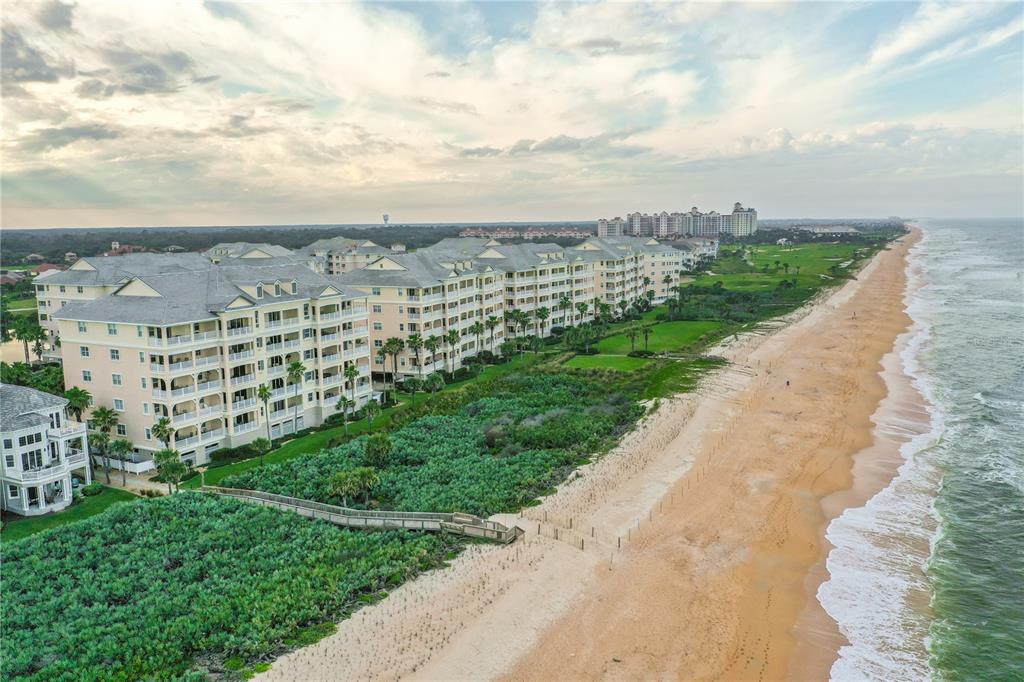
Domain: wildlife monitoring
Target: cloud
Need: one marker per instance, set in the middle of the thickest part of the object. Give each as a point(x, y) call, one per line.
point(446, 106)
point(227, 10)
point(56, 16)
point(139, 72)
point(23, 63)
point(55, 138)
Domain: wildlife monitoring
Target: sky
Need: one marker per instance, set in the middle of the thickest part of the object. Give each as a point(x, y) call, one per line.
point(210, 113)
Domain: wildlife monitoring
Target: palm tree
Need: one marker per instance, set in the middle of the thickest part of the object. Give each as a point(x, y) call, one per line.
point(296, 370)
point(415, 343)
point(452, 338)
point(632, 334)
point(582, 307)
point(432, 344)
point(382, 356)
point(367, 478)
point(542, 314)
point(647, 335)
point(262, 446)
point(78, 401)
point(394, 347)
point(371, 410)
point(565, 303)
point(162, 430)
point(413, 385)
point(104, 420)
point(523, 319)
point(98, 442)
point(435, 382)
point(121, 449)
point(170, 467)
point(351, 374)
point(26, 328)
point(263, 393)
point(344, 484)
point(477, 330)
point(344, 404)
point(623, 304)
point(492, 324)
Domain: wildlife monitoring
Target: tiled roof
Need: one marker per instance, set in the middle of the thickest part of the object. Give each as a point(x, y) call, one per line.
point(19, 405)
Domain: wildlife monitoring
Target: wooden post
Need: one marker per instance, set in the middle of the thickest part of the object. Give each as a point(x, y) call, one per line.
point(620, 542)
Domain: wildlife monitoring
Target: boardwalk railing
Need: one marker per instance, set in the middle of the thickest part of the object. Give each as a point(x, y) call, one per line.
point(459, 524)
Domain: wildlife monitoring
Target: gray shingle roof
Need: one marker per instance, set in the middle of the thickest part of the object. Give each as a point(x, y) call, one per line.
point(110, 270)
point(19, 404)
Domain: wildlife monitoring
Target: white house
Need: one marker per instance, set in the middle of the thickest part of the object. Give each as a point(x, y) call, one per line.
point(42, 446)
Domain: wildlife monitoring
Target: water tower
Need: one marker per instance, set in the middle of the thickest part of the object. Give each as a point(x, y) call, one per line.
point(386, 218)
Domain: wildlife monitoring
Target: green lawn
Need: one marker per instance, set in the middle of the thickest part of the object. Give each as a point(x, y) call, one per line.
point(808, 264)
point(15, 304)
point(17, 527)
point(665, 336)
point(618, 362)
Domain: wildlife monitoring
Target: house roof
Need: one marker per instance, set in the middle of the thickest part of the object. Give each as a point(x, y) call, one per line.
point(19, 406)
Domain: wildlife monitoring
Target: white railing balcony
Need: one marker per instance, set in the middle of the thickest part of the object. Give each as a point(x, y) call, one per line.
point(242, 355)
point(277, 370)
point(332, 380)
point(282, 392)
point(329, 359)
point(244, 404)
point(327, 317)
point(207, 361)
point(242, 380)
point(283, 345)
point(157, 393)
point(330, 337)
point(155, 342)
point(179, 340)
point(244, 428)
point(180, 443)
point(184, 417)
point(211, 411)
point(184, 390)
point(159, 369)
point(178, 366)
point(280, 414)
point(215, 434)
point(70, 429)
point(39, 473)
point(207, 336)
point(414, 316)
point(75, 459)
point(208, 386)
point(354, 311)
point(240, 331)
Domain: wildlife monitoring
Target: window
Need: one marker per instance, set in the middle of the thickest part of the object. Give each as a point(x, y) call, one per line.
point(12, 491)
point(377, 327)
point(143, 382)
point(401, 308)
point(138, 331)
point(63, 288)
point(8, 444)
point(80, 290)
point(81, 327)
point(401, 326)
point(375, 291)
point(111, 329)
point(307, 333)
point(86, 375)
point(377, 308)
point(118, 404)
point(84, 351)
point(307, 355)
point(145, 408)
point(377, 343)
point(149, 434)
point(116, 379)
point(115, 354)
point(9, 461)
point(377, 360)
point(122, 430)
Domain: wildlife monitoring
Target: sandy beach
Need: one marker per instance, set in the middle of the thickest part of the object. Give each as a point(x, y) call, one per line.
point(692, 551)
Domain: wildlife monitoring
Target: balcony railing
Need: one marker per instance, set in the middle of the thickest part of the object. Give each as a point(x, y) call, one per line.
point(39, 473)
point(244, 404)
point(209, 386)
point(244, 428)
point(177, 366)
point(328, 359)
point(327, 317)
point(209, 360)
point(283, 346)
point(331, 380)
point(184, 390)
point(240, 331)
point(329, 337)
point(354, 311)
point(280, 414)
point(242, 380)
point(69, 429)
point(242, 355)
point(215, 434)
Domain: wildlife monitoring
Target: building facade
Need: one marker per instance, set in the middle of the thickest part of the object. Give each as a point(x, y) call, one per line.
point(742, 222)
point(42, 447)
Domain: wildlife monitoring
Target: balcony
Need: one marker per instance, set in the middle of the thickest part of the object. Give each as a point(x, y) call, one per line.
point(329, 337)
point(328, 317)
point(277, 370)
point(242, 355)
point(244, 428)
point(330, 359)
point(179, 340)
point(280, 414)
point(283, 346)
point(243, 404)
point(69, 430)
point(242, 380)
point(240, 331)
point(178, 366)
point(207, 361)
point(75, 459)
point(282, 392)
point(157, 369)
point(209, 386)
point(332, 380)
point(184, 390)
point(215, 434)
point(51, 470)
point(354, 311)
point(279, 324)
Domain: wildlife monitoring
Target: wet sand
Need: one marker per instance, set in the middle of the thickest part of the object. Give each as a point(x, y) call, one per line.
point(688, 552)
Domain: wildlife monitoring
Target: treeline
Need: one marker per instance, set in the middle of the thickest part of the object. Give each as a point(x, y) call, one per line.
point(54, 243)
point(795, 236)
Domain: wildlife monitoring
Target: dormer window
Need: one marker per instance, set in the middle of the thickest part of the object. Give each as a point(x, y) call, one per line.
point(277, 288)
point(259, 290)
point(295, 287)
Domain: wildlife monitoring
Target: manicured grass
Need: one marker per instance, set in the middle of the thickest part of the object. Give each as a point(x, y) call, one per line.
point(808, 264)
point(22, 527)
point(618, 362)
point(16, 304)
point(665, 336)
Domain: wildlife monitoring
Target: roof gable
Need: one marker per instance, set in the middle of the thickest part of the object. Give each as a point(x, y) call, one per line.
point(137, 287)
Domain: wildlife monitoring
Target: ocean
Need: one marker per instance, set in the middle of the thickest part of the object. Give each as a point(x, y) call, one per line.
point(926, 579)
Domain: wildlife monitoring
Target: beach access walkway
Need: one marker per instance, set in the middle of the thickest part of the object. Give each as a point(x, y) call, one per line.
point(458, 524)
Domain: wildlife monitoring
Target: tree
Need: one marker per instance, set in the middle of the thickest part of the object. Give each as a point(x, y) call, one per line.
point(78, 401)
point(163, 431)
point(351, 374)
point(104, 420)
point(542, 314)
point(415, 343)
point(582, 307)
point(367, 479)
point(536, 344)
point(414, 385)
point(785, 266)
point(344, 484)
point(263, 393)
point(565, 303)
point(122, 449)
point(647, 335)
point(432, 344)
point(491, 324)
point(296, 370)
point(632, 334)
point(382, 358)
point(667, 281)
point(27, 330)
point(98, 442)
point(623, 304)
point(394, 346)
point(376, 450)
point(262, 446)
point(371, 410)
point(507, 348)
point(170, 467)
point(477, 330)
point(344, 404)
point(435, 382)
point(452, 338)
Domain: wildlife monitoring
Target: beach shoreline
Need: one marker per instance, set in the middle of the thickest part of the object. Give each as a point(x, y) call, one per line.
point(685, 551)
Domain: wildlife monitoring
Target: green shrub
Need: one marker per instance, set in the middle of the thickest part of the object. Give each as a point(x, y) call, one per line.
point(92, 489)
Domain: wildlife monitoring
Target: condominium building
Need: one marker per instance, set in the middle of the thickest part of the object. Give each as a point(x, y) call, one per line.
point(195, 346)
point(741, 222)
point(626, 268)
point(42, 446)
point(614, 227)
point(341, 254)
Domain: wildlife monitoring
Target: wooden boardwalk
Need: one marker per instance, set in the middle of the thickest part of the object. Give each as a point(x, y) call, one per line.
point(458, 524)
